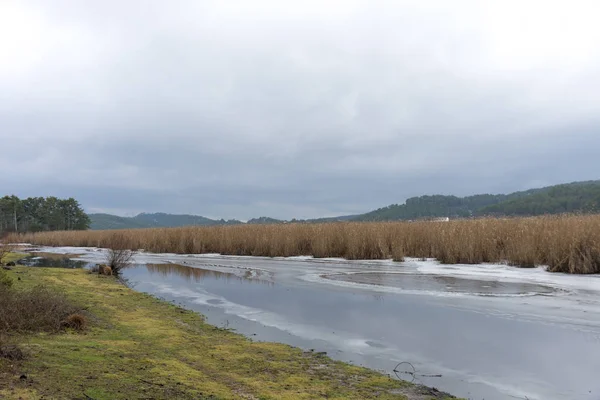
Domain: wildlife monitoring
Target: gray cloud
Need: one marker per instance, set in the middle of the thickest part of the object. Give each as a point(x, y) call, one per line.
point(238, 109)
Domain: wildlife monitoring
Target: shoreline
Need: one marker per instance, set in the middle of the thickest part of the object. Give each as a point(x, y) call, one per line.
point(140, 338)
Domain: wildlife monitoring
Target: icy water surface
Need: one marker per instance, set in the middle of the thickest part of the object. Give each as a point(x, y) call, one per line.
point(492, 332)
point(443, 283)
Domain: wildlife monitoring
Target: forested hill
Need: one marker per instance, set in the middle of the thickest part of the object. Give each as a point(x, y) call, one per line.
point(581, 197)
point(570, 197)
point(154, 220)
point(51, 213)
point(162, 220)
point(264, 221)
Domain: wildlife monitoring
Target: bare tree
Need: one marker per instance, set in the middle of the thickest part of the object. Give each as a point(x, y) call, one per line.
point(119, 256)
point(5, 250)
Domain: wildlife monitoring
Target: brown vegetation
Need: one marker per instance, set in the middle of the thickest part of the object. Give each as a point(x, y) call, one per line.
point(75, 321)
point(33, 310)
point(5, 250)
point(104, 270)
point(10, 350)
point(119, 254)
point(566, 243)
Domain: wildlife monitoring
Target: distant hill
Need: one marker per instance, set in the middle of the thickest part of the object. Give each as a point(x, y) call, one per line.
point(267, 220)
point(432, 206)
point(166, 220)
point(264, 220)
point(155, 220)
point(570, 197)
point(109, 221)
point(581, 197)
point(327, 219)
point(161, 220)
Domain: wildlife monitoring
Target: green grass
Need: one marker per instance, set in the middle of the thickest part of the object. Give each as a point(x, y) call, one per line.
point(140, 347)
point(5, 279)
point(11, 257)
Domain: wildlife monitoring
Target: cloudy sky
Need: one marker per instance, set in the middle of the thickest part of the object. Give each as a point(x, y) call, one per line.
point(238, 109)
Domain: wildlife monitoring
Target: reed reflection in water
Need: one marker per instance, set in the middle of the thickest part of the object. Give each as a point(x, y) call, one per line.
point(200, 274)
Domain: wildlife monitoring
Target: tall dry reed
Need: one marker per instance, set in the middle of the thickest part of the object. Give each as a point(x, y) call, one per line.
point(565, 243)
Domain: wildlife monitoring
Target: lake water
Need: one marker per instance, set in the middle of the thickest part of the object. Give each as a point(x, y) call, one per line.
point(482, 332)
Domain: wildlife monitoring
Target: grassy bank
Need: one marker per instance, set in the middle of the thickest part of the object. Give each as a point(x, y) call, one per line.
point(137, 346)
point(566, 243)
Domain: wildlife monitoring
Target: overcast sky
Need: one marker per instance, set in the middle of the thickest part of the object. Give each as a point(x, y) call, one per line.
point(238, 109)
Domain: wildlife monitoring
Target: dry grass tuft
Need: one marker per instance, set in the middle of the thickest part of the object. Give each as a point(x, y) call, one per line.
point(76, 321)
point(564, 243)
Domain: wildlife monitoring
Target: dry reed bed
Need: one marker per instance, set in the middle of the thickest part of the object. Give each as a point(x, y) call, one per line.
point(566, 243)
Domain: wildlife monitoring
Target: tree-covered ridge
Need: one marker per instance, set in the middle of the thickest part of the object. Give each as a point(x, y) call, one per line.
point(36, 214)
point(102, 221)
point(153, 220)
point(264, 221)
point(432, 206)
point(163, 220)
point(570, 197)
point(581, 197)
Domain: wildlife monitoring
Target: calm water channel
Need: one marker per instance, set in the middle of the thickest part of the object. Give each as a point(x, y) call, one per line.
point(492, 332)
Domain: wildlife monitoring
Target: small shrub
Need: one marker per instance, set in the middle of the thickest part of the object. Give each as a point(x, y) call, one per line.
point(10, 351)
point(105, 270)
point(5, 251)
point(76, 321)
point(119, 255)
point(34, 310)
point(5, 280)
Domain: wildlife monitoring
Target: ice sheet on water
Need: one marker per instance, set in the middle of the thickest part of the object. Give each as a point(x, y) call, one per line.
point(506, 273)
point(487, 272)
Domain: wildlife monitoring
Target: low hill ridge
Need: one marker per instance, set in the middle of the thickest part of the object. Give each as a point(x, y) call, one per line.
point(581, 197)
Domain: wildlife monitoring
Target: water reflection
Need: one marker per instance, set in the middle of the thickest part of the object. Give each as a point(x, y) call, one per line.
point(53, 262)
point(378, 297)
point(199, 274)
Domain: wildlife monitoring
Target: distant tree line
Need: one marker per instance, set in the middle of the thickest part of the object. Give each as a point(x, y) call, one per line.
point(36, 214)
point(432, 207)
point(570, 198)
point(577, 197)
